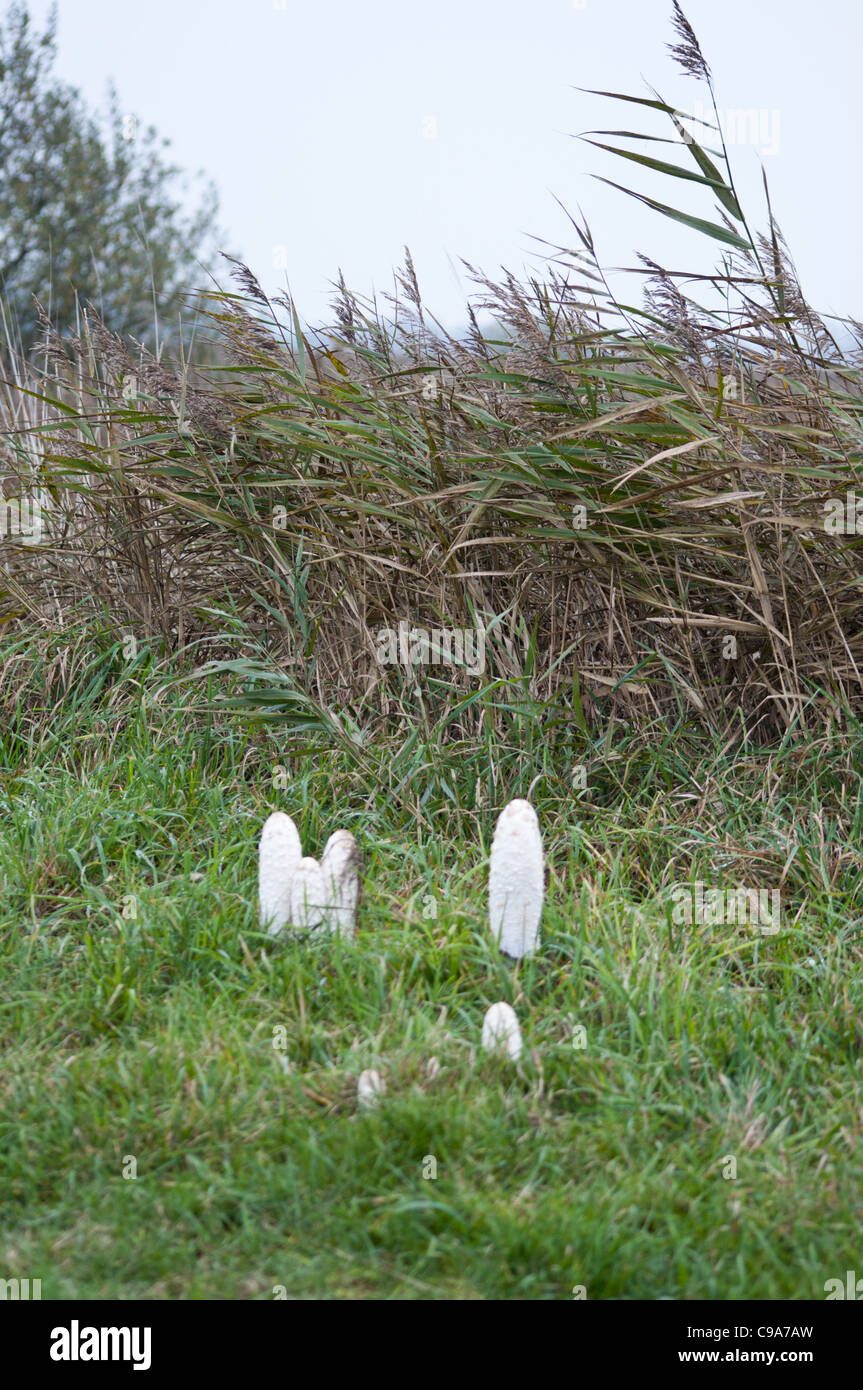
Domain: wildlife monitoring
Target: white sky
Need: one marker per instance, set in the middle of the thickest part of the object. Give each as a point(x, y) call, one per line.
point(312, 121)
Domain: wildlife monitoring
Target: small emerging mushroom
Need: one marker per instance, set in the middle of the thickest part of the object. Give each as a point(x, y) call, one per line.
point(340, 870)
point(515, 880)
point(279, 853)
point(370, 1088)
point(500, 1030)
point(308, 895)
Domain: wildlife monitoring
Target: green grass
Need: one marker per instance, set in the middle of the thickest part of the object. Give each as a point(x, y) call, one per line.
point(152, 1035)
point(629, 504)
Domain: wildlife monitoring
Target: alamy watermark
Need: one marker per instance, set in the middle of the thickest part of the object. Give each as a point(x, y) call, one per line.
point(77, 1343)
point(739, 125)
point(18, 1289)
point(759, 908)
point(21, 520)
point(444, 646)
point(851, 1287)
point(844, 518)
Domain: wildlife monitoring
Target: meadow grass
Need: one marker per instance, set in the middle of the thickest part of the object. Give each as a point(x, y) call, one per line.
point(630, 506)
point(155, 1035)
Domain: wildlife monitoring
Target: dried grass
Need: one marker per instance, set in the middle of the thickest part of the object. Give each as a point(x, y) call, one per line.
point(434, 480)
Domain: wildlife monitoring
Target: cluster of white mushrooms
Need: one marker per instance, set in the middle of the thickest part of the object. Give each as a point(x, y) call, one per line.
point(300, 893)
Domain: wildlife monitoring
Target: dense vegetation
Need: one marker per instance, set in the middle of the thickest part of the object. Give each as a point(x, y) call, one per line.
point(629, 505)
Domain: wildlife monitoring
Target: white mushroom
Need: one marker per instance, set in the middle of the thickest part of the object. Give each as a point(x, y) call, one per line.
point(370, 1088)
point(340, 865)
point(279, 853)
point(308, 895)
point(515, 880)
point(500, 1030)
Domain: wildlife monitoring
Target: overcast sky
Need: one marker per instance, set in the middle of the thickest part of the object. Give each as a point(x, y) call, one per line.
point(339, 132)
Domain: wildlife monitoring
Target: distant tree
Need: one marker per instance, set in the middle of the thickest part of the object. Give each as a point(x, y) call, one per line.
point(89, 210)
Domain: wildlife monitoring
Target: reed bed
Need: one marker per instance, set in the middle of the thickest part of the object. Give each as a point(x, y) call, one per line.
point(631, 505)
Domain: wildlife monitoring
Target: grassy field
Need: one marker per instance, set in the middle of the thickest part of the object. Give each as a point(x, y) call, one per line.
point(141, 1009)
point(648, 515)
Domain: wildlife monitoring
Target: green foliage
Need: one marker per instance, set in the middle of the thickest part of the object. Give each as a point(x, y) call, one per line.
point(141, 1009)
point(89, 210)
point(614, 496)
point(630, 503)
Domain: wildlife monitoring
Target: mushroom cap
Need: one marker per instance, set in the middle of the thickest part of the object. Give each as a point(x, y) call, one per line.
point(370, 1088)
point(500, 1030)
point(340, 868)
point(515, 880)
point(308, 895)
point(279, 853)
